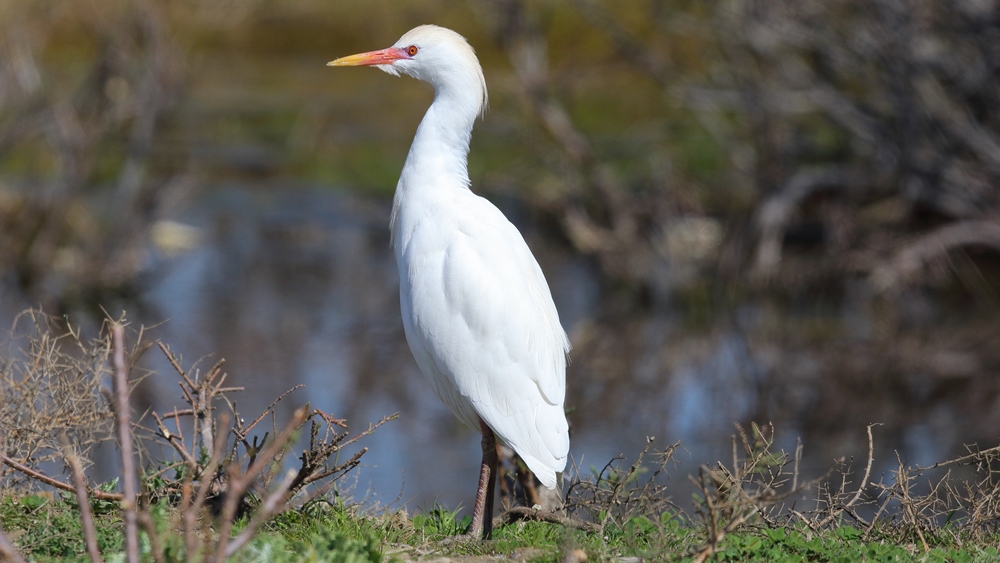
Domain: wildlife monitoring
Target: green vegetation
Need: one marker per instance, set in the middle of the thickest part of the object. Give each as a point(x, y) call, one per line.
point(228, 492)
point(47, 528)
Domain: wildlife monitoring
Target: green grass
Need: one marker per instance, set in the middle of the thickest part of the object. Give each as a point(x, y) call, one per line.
point(47, 528)
point(845, 544)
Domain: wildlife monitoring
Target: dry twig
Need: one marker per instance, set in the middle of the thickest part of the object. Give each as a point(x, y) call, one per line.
point(129, 502)
point(43, 478)
point(83, 501)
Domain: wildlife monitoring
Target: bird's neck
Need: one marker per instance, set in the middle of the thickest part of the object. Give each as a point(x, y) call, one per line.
point(438, 159)
point(438, 156)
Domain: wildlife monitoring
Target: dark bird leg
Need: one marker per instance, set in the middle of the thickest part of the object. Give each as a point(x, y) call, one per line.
point(526, 479)
point(482, 514)
point(505, 482)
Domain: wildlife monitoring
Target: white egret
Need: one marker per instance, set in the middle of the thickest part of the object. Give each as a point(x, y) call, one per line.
point(477, 312)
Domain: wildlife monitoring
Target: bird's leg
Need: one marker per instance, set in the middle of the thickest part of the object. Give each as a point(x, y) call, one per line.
point(506, 484)
point(527, 481)
point(482, 514)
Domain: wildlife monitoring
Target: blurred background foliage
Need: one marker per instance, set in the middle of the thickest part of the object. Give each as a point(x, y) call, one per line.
point(819, 177)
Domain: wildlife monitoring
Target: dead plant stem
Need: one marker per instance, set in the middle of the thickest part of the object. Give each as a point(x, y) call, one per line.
point(125, 446)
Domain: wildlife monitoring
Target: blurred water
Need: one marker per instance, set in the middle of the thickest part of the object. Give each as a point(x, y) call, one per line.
point(297, 285)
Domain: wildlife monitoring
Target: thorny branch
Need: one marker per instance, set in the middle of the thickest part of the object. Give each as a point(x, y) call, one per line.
point(615, 495)
point(223, 482)
point(41, 477)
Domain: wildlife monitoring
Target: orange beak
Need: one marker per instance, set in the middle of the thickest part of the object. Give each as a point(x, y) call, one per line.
point(381, 57)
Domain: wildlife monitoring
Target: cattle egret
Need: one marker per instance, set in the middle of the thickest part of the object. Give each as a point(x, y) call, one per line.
point(477, 312)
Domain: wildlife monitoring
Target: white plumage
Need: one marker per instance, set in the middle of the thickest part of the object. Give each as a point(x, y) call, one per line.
point(477, 312)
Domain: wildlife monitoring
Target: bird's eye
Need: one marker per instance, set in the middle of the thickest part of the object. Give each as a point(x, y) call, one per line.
point(412, 50)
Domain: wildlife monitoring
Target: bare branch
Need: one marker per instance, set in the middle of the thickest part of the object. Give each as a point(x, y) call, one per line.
point(275, 501)
point(56, 483)
point(83, 501)
point(121, 390)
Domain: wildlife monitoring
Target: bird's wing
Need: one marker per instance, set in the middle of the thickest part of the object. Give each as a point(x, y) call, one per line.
point(482, 311)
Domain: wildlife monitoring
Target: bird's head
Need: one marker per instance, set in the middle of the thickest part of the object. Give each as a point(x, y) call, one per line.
point(433, 54)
